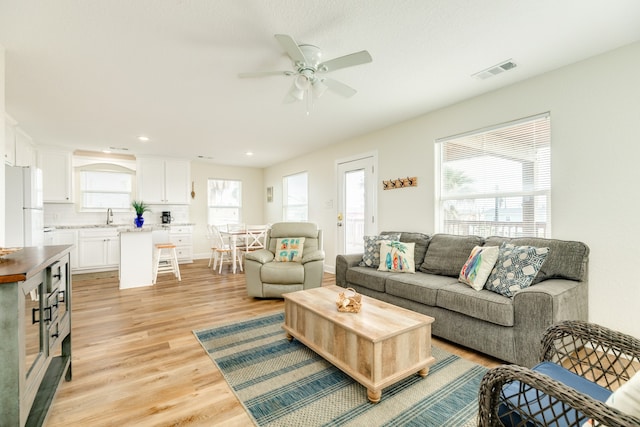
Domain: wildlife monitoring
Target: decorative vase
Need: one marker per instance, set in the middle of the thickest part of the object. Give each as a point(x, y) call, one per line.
point(138, 221)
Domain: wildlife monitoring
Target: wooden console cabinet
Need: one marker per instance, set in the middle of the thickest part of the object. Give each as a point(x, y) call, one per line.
point(35, 332)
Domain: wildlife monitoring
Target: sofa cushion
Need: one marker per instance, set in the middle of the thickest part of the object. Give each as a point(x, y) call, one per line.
point(476, 270)
point(447, 253)
point(397, 256)
point(368, 278)
point(515, 268)
point(371, 254)
point(566, 259)
point(421, 240)
point(483, 304)
point(420, 287)
point(282, 272)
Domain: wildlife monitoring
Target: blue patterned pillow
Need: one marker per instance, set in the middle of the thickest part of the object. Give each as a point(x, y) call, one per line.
point(515, 268)
point(371, 255)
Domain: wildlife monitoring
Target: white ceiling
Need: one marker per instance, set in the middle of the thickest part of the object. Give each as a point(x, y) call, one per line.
point(96, 74)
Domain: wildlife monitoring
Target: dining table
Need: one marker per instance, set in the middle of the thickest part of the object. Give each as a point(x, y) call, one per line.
point(233, 234)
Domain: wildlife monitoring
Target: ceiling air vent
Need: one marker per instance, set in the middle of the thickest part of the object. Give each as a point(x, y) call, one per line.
point(495, 70)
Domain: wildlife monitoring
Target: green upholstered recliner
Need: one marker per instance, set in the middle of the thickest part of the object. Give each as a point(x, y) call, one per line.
point(267, 278)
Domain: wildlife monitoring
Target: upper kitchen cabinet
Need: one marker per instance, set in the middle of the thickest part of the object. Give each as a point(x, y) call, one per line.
point(163, 181)
point(10, 141)
point(56, 175)
point(25, 151)
point(18, 150)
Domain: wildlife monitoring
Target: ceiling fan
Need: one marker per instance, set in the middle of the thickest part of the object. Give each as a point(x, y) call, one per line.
point(308, 70)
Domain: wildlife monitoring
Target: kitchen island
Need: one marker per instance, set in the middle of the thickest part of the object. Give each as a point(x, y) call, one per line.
point(136, 257)
point(35, 331)
point(136, 254)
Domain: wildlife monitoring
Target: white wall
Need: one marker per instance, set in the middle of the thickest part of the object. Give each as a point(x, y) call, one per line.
point(253, 197)
point(595, 122)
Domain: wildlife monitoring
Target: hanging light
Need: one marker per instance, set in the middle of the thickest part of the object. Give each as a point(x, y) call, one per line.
point(318, 88)
point(300, 85)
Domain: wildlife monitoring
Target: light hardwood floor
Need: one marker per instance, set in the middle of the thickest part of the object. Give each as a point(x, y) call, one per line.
point(137, 362)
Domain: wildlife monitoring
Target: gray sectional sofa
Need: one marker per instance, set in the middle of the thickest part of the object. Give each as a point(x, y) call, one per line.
point(507, 328)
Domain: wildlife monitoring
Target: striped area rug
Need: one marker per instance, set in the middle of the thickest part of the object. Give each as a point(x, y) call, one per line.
point(282, 383)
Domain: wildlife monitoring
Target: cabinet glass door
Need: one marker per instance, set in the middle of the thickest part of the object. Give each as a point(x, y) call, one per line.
point(33, 345)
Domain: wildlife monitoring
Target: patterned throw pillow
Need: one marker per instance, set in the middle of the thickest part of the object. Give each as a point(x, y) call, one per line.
point(371, 255)
point(289, 249)
point(478, 267)
point(515, 268)
point(397, 257)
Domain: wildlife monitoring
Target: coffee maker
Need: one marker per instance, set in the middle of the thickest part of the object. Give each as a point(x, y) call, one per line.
point(166, 217)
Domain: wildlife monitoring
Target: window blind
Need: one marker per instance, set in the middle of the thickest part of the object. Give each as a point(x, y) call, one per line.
point(497, 180)
point(295, 200)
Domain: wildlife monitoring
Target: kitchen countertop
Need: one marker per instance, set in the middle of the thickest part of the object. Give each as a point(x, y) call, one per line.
point(25, 263)
point(117, 226)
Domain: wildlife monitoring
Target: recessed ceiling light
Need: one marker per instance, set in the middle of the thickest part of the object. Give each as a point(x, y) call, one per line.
point(249, 153)
point(106, 151)
point(143, 138)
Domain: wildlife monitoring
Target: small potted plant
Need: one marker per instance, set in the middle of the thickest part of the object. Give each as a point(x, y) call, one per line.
point(140, 208)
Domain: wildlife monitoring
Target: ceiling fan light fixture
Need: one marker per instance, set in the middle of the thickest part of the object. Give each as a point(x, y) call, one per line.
point(319, 88)
point(302, 82)
point(297, 93)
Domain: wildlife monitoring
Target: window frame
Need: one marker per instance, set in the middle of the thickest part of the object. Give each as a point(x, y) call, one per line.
point(210, 205)
point(533, 196)
point(104, 168)
point(288, 207)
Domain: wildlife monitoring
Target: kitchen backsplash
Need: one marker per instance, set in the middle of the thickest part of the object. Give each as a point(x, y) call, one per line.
point(66, 214)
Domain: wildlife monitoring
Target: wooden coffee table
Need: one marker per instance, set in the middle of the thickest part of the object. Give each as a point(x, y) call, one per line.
point(377, 347)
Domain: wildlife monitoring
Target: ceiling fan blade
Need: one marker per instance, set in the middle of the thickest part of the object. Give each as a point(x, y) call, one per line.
point(291, 47)
point(339, 88)
point(350, 60)
point(265, 73)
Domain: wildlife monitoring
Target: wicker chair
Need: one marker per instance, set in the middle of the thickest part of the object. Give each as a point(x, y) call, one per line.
point(514, 395)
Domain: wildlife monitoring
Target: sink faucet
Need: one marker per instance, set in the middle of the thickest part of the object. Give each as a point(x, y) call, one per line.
point(109, 216)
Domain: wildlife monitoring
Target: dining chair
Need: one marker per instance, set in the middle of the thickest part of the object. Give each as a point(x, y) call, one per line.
point(253, 239)
point(220, 248)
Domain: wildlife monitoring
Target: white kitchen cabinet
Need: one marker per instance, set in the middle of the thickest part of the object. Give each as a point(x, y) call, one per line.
point(9, 142)
point(98, 248)
point(163, 181)
point(25, 151)
point(56, 175)
point(181, 236)
point(64, 237)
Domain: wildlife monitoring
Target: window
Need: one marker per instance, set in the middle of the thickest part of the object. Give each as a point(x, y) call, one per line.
point(295, 197)
point(225, 201)
point(497, 181)
point(105, 186)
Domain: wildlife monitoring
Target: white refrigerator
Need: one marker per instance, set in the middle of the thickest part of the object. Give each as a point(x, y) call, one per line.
point(24, 223)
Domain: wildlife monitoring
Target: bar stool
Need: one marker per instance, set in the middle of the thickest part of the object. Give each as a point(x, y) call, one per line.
point(165, 260)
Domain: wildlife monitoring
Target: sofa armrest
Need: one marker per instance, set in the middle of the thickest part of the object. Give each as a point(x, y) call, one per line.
point(262, 256)
point(313, 256)
point(540, 306)
point(343, 263)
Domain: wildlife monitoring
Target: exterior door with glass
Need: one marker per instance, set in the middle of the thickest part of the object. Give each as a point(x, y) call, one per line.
point(356, 203)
